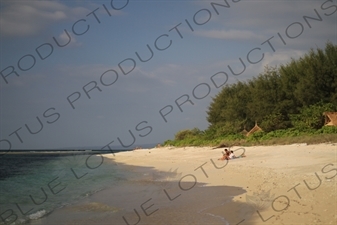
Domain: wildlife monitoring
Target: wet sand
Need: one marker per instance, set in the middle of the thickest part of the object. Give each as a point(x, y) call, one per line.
point(293, 184)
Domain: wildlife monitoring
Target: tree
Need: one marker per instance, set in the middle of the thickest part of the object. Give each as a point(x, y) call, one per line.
point(280, 97)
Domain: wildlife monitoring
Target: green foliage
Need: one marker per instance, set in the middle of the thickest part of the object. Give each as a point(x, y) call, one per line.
point(292, 95)
point(274, 121)
point(183, 134)
point(225, 128)
point(287, 102)
point(282, 136)
point(256, 136)
point(168, 143)
point(311, 117)
point(327, 130)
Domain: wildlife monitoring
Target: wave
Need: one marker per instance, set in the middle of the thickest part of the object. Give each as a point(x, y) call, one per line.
point(37, 215)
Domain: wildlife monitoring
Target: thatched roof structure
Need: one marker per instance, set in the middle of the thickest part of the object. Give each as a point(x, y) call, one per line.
point(254, 129)
point(244, 132)
point(330, 118)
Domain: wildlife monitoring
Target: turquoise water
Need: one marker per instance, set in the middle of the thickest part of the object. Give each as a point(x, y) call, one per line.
point(33, 186)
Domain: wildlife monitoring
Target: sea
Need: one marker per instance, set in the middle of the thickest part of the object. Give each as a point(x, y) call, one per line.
point(34, 184)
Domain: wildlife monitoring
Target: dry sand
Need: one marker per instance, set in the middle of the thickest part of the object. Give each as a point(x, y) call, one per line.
point(277, 180)
point(292, 184)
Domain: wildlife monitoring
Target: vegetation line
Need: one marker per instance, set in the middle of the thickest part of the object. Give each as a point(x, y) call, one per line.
point(287, 102)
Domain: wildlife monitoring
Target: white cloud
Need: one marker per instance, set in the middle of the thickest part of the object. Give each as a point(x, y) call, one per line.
point(63, 38)
point(171, 74)
point(271, 59)
point(281, 57)
point(253, 20)
point(229, 34)
point(30, 17)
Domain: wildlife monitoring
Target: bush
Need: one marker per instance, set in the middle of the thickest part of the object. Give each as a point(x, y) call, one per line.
point(234, 137)
point(257, 136)
point(311, 117)
point(184, 134)
point(327, 130)
point(274, 121)
point(224, 129)
point(168, 143)
point(195, 137)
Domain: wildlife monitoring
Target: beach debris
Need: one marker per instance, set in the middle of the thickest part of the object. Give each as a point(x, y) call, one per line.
point(299, 144)
point(221, 146)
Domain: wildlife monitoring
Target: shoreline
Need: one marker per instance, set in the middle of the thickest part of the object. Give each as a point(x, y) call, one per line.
point(273, 184)
point(266, 169)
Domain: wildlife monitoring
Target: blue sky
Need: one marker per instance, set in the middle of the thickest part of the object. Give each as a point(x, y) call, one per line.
point(79, 92)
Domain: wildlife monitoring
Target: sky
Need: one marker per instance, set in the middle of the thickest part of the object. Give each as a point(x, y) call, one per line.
point(127, 73)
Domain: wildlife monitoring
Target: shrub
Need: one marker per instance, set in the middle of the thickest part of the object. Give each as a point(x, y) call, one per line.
point(184, 134)
point(327, 130)
point(274, 122)
point(256, 136)
point(311, 117)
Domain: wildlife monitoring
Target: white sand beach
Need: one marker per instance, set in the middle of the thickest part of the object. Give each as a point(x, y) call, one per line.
point(287, 173)
point(288, 184)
